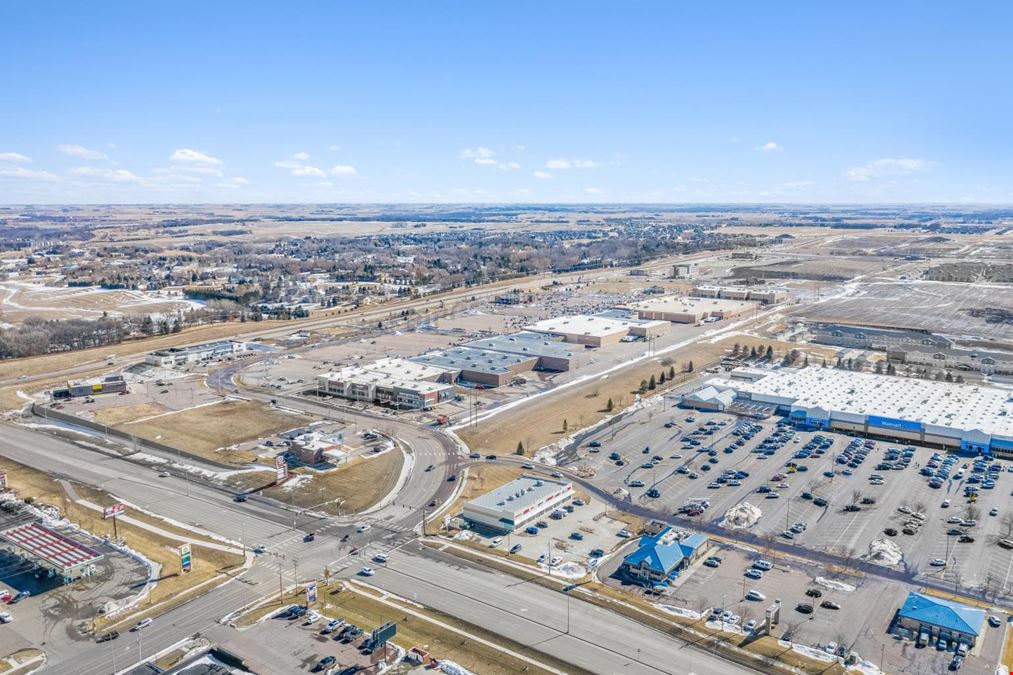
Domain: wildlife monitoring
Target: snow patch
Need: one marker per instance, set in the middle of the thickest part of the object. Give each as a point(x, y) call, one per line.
point(452, 668)
point(834, 585)
point(680, 611)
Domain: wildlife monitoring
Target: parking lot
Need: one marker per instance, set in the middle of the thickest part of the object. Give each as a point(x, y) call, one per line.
point(286, 645)
point(655, 456)
point(569, 538)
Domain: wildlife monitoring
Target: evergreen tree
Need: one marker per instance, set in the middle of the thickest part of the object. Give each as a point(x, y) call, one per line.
point(671, 372)
point(653, 384)
point(565, 425)
point(770, 353)
point(661, 378)
point(520, 448)
point(689, 367)
point(609, 406)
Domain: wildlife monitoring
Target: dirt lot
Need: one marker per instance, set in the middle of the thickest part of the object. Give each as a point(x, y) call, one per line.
point(353, 487)
point(541, 423)
point(209, 430)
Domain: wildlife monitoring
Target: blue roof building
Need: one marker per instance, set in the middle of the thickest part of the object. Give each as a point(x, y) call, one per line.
point(941, 618)
point(662, 556)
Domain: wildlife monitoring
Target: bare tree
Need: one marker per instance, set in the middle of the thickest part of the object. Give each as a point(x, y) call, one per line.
point(972, 512)
point(856, 496)
point(920, 507)
point(1007, 523)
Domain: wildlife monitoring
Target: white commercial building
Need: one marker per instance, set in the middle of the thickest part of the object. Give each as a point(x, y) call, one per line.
point(518, 503)
point(680, 309)
point(598, 330)
point(969, 417)
point(180, 356)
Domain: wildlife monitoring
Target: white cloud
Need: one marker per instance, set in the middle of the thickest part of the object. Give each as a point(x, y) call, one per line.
point(14, 157)
point(79, 151)
point(770, 146)
point(22, 172)
point(888, 168)
point(733, 139)
point(287, 164)
point(309, 171)
point(799, 183)
point(342, 170)
point(486, 161)
point(188, 156)
point(333, 147)
point(105, 174)
point(593, 191)
point(563, 164)
point(236, 182)
point(301, 156)
point(509, 166)
point(542, 175)
point(481, 152)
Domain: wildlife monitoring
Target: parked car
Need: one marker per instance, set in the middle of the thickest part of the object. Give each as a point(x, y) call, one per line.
point(804, 608)
point(829, 604)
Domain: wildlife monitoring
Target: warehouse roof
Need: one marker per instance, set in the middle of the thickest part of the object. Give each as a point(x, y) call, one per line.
point(519, 494)
point(583, 324)
point(956, 406)
point(532, 344)
point(946, 614)
point(479, 360)
point(681, 304)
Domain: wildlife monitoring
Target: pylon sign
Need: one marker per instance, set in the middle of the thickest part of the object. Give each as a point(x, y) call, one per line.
point(311, 593)
point(280, 468)
point(185, 558)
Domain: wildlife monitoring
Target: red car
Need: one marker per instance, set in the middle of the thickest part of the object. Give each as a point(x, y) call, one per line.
point(5, 596)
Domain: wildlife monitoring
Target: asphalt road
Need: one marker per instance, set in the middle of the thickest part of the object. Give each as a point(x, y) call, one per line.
point(546, 620)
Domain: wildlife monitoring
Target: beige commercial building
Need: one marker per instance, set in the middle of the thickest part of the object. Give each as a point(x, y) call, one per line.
point(678, 309)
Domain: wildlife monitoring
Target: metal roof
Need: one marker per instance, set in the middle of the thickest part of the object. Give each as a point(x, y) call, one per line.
point(50, 546)
point(527, 344)
point(519, 494)
point(946, 614)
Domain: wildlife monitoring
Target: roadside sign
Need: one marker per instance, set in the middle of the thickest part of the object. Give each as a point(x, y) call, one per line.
point(311, 593)
point(3, 480)
point(381, 634)
point(280, 468)
point(113, 511)
point(185, 558)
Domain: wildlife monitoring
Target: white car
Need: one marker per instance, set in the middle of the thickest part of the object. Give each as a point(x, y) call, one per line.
point(624, 533)
point(994, 621)
point(750, 625)
point(311, 618)
point(954, 520)
point(362, 528)
point(903, 509)
point(5, 617)
point(495, 542)
point(756, 596)
point(380, 557)
point(937, 562)
point(555, 561)
point(367, 571)
point(140, 625)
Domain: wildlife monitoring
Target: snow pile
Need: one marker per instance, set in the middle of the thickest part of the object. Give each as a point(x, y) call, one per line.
point(451, 668)
point(724, 627)
point(463, 535)
point(866, 668)
point(812, 653)
point(741, 516)
point(834, 585)
point(884, 552)
point(680, 611)
point(567, 570)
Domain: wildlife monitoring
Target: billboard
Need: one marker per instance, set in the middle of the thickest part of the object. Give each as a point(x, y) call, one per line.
point(113, 511)
point(381, 634)
point(311, 593)
point(185, 558)
point(280, 468)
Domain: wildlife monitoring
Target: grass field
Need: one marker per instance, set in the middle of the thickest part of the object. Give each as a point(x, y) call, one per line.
point(351, 488)
point(208, 563)
point(123, 414)
point(207, 431)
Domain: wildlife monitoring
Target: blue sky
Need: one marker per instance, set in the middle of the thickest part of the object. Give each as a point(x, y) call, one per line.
point(506, 102)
